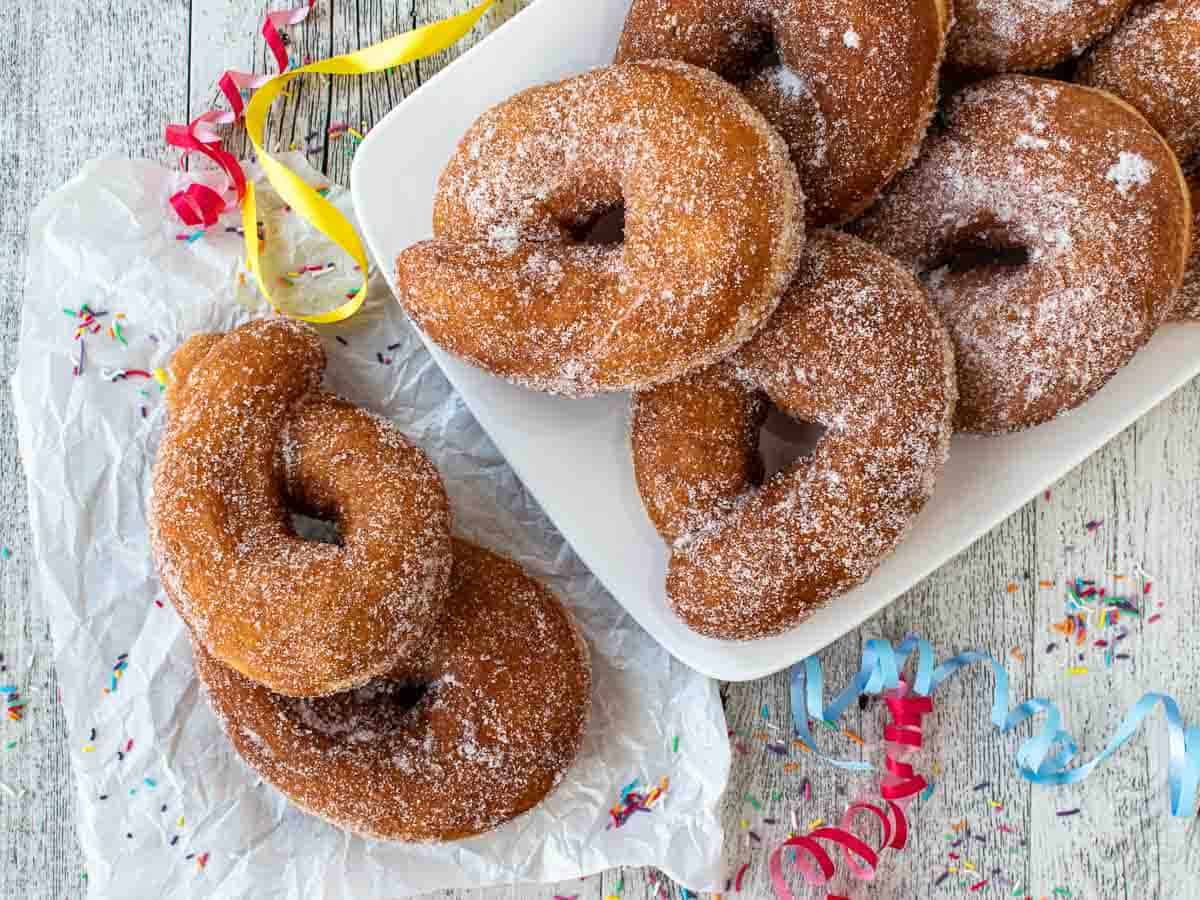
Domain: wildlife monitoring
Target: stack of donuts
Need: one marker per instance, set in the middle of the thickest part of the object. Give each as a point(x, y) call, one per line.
point(892, 219)
point(396, 681)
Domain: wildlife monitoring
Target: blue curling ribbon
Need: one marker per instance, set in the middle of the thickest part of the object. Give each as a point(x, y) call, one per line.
point(1045, 758)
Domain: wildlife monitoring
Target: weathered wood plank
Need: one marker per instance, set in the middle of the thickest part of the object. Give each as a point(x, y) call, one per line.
point(134, 55)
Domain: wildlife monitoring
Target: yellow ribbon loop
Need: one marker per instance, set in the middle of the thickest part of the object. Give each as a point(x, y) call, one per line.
point(306, 202)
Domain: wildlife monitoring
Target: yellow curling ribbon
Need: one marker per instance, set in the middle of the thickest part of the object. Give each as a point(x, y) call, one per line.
point(306, 202)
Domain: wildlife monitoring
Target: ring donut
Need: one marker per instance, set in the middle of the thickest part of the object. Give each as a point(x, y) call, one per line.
point(1152, 61)
point(1053, 225)
point(302, 617)
point(475, 732)
point(1188, 307)
point(852, 93)
point(714, 226)
point(1026, 35)
point(855, 347)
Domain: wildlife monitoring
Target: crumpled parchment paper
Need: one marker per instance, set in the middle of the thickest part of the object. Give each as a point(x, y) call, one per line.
point(106, 239)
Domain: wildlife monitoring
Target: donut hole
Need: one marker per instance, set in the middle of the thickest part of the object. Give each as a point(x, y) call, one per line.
point(751, 52)
point(605, 226)
point(767, 57)
point(782, 440)
point(986, 252)
point(374, 710)
point(317, 530)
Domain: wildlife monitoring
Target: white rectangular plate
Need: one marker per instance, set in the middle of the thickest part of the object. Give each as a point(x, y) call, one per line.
point(573, 455)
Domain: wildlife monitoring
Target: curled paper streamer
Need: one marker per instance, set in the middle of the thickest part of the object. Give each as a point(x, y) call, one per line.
point(1045, 758)
point(202, 205)
point(199, 204)
point(899, 785)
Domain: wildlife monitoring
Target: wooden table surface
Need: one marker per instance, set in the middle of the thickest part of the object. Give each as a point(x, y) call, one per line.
point(89, 78)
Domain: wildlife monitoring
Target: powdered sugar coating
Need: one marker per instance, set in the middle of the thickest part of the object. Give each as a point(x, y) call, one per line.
point(1080, 183)
point(713, 230)
point(847, 69)
point(1152, 61)
point(1188, 306)
point(1024, 35)
point(498, 717)
point(249, 438)
point(855, 347)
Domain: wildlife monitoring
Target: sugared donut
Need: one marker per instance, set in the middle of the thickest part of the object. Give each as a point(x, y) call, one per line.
point(474, 733)
point(713, 228)
point(1026, 35)
point(855, 347)
point(852, 92)
point(1053, 224)
point(305, 618)
point(1188, 306)
point(1152, 61)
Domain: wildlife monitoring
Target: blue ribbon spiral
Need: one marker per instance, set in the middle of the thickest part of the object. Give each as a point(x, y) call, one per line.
point(1045, 758)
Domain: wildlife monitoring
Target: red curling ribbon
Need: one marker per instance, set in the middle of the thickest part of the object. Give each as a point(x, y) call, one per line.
point(200, 204)
point(899, 784)
point(275, 42)
point(282, 19)
point(233, 83)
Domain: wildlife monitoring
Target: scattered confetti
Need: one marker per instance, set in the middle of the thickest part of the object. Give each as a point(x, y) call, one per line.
point(633, 801)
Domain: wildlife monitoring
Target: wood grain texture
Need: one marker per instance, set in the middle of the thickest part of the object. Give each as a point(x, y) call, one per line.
point(153, 61)
point(81, 79)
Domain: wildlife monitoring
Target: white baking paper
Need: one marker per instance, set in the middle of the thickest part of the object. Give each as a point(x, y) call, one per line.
point(107, 239)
